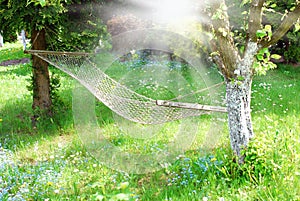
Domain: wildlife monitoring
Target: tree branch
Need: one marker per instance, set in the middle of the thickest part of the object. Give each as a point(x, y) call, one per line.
point(224, 43)
point(286, 24)
point(255, 18)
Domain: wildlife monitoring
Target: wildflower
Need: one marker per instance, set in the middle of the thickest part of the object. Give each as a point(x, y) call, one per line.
point(49, 183)
point(56, 191)
point(213, 159)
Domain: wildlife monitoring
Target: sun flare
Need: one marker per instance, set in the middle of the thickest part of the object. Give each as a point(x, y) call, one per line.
point(172, 11)
point(166, 11)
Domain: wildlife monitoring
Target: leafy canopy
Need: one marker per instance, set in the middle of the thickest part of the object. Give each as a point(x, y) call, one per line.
point(68, 23)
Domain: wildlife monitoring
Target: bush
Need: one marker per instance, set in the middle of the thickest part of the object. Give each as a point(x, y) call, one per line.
point(292, 55)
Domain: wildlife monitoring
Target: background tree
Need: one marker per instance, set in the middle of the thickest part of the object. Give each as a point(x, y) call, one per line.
point(58, 24)
point(239, 65)
point(34, 16)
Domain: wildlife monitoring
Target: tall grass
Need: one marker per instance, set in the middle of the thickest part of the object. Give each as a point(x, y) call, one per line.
point(50, 163)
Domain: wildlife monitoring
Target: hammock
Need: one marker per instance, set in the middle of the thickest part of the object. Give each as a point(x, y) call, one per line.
point(119, 98)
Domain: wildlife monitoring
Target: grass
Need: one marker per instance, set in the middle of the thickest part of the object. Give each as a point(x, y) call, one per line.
point(50, 163)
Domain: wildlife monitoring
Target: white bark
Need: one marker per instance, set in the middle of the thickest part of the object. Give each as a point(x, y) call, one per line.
point(1, 40)
point(239, 115)
point(238, 103)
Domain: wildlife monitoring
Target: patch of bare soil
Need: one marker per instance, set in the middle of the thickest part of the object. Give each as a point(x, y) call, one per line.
point(15, 62)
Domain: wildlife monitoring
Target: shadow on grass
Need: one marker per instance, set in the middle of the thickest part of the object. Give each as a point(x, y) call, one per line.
point(16, 70)
point(16, 129)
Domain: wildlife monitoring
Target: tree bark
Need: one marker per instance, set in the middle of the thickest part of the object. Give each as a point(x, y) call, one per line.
point(239, 115)
point(41, 80)
point(238, 92)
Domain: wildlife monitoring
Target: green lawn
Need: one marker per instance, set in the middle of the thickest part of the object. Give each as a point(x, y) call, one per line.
point(50, 163)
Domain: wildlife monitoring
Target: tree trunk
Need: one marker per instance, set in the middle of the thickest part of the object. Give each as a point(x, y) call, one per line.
point(239, 115)
point(41, 80)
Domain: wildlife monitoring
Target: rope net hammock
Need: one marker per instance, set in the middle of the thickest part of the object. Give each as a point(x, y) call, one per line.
point(119, 98)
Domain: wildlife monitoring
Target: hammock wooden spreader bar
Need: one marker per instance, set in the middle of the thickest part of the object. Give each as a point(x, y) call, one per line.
point(193, 106)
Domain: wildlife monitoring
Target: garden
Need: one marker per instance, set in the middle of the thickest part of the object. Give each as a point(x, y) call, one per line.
point(49, 162)
point(110, 100)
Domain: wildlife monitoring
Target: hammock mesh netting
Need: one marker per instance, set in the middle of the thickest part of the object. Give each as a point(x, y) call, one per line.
point(119, 98)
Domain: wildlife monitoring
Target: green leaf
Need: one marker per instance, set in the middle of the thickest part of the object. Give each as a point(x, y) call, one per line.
point(256, 65)
point(268, 28)
point(271, 65)
point(242, 48)
point(42, 2)
point(264, 51)
point(245, 13)
point(293, 8)
point(240, 78)
point(260, 57)
point(261, 33)
point(275, 56)
point(37, 2)
point(244, 2)
point(297, 27)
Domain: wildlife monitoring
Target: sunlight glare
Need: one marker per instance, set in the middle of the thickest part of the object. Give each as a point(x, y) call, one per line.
point(172, 11)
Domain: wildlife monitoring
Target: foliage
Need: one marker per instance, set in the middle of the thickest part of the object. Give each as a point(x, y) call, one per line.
point(70, 24)
point(292, 54)
point(9, 36)
point(18, 15)
point(288, 45)
point(263, 63)
point(82, 29)
point(274, 12)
